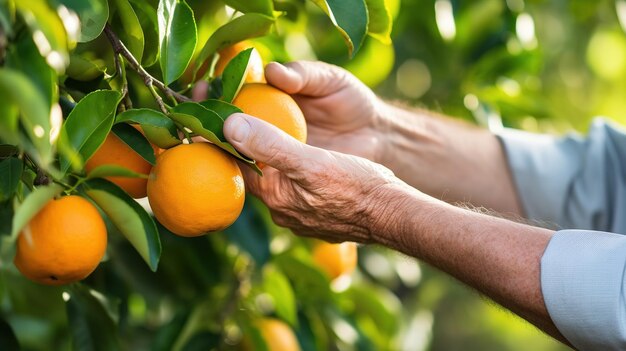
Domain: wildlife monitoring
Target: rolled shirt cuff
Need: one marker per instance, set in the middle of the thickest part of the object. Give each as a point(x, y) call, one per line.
point(582, 280)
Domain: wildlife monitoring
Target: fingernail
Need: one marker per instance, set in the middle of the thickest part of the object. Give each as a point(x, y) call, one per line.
point(240, 128)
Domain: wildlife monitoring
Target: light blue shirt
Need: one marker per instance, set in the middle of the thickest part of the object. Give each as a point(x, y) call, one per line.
point(579, 184)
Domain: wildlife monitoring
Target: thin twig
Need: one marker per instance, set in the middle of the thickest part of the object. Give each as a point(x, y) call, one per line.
point(121, 72)
point(156, 96)
point(121, 49)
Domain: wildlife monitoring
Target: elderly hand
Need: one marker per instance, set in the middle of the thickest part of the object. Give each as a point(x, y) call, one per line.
point(342, 113)
point(314, 192)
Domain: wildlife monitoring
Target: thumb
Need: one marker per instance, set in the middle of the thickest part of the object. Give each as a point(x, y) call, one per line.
point(306, 77)
point(265, 143)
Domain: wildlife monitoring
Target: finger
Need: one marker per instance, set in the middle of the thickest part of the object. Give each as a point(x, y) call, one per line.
point(200, 91)
point(306, 77)
point(267, 144)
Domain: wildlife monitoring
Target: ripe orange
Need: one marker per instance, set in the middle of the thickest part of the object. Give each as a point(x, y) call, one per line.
point(336, 259)
point(196, 188)
point(274, 106)
point(63, 243)
point(256, 71)
point(115, 152)
point(278, 335)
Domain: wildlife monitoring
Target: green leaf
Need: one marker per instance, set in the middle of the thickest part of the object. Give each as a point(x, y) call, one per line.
point(105, 171)
point(278, 287)
point(253, 335)
point(6, 216)
point(265, 7)
point(18, 89)
point(309, 283)
point(10, 120)
point(129, 217)
point(177, 38)
point(244, 27)
point(67, 151)
point(24, 56)
point(147, 15)
point(34, 202)
point(379, 304)
point(350, 19)
point(307, 338)
point(373, 53)
point(93, 15)
point(8, 340)
point(135, 140)
point(203, 126)
point(127, 26)
point(159, 129)
point(211, 121)
point(89, 123)
point(215, 88)
point(90, 323)
point(10, 174)
point(7, 16)
point(41, 18)
point(208, 125)
point(251, 233)
point(222, 108)
point(380, 20)
point(235, 75)
point(83, 69)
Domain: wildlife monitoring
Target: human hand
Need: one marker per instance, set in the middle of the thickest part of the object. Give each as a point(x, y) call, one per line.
point(314, 192)
point(342, 113)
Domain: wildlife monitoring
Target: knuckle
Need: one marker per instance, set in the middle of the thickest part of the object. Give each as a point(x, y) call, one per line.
point(278, 219)
point(297, 66)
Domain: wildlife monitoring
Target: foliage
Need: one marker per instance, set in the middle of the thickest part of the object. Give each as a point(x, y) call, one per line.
point(74, 71)
point(66, 81)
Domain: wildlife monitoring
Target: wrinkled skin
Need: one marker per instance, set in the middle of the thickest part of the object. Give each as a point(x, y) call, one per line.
point(338, 197)
point(314, 192)
point(342, 113)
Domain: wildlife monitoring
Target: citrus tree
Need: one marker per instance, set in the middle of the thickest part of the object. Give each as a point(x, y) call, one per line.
point(96, 112)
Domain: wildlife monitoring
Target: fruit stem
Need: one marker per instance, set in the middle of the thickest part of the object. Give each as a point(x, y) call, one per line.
point(184, 131)
point(73, 187)
point(63, 184)
point(121, 49)
point(157, 97)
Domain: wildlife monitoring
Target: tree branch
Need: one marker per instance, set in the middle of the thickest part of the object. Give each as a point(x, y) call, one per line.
point(148, 79)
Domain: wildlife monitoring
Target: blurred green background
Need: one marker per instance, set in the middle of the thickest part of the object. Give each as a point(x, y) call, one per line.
point(544, 66)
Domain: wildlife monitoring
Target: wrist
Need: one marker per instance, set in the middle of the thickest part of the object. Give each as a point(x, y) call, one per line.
point(391, 211)
point(403, 134)
point(386, 126)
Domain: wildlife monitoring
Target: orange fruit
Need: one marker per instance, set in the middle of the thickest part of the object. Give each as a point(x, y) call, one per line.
point(336, 259)
point(115, 152)
point(196, 188)
point(256, 71)
point(274, 106)
point(278, 335)
point(63, 243)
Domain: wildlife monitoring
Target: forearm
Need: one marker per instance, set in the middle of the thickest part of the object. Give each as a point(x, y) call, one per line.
point(499, 258)
point(449, 160)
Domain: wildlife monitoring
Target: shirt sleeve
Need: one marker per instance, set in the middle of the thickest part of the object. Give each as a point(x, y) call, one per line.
point(573, 181)
point(582, 281)
point(578, 182)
